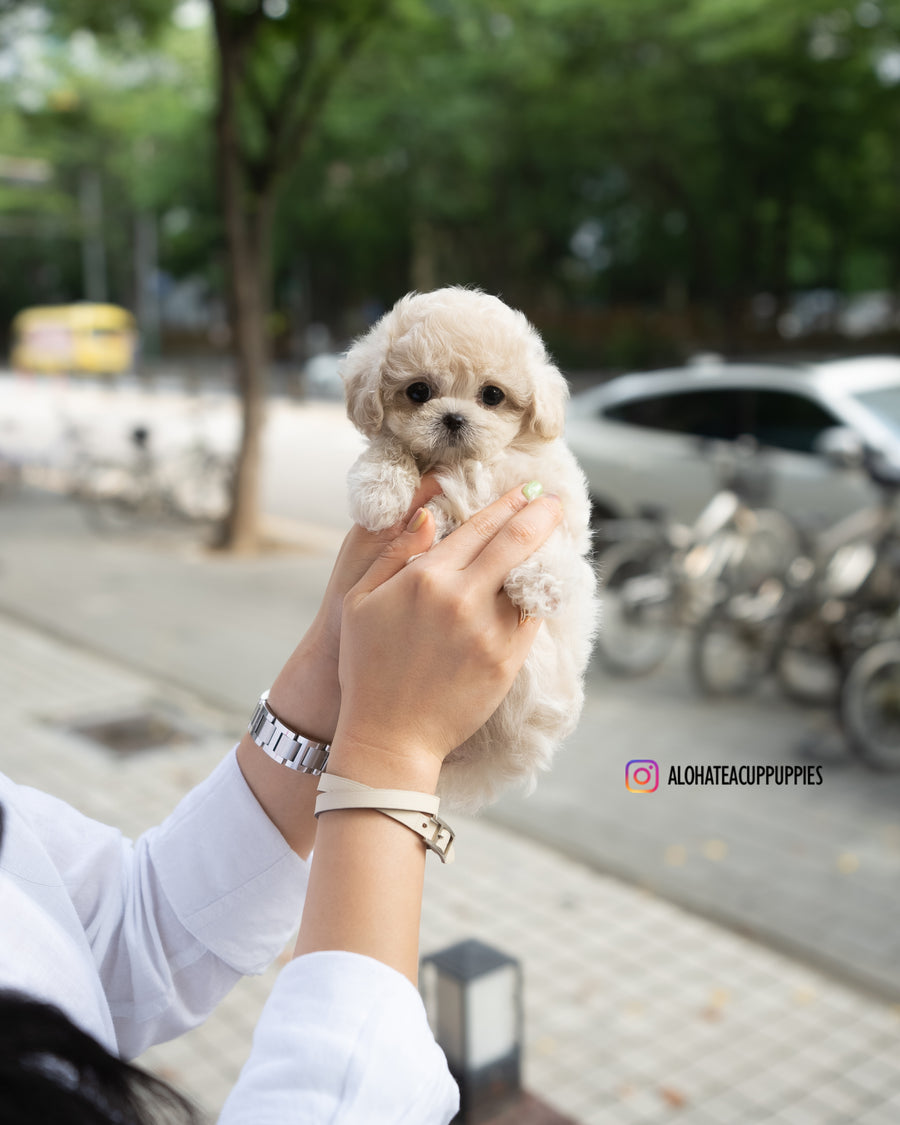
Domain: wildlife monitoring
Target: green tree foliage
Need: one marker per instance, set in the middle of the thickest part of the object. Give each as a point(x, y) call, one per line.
point(132, 111)
point(571, 154)
point(574, 155)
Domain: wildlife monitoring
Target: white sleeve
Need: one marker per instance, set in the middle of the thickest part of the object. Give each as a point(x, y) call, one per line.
point(343, 1039)
point(174, 920)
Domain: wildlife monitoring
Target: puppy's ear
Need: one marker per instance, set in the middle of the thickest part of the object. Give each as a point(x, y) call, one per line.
point(361, 370)
point(546, 414)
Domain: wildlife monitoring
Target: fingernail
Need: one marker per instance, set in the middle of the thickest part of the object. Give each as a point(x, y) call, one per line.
point(418, 519)
point(532, 490)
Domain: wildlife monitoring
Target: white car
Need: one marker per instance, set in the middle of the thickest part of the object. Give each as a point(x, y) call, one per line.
point(645, 439)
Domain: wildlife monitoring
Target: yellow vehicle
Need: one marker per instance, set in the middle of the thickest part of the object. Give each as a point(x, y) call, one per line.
point(82, 339)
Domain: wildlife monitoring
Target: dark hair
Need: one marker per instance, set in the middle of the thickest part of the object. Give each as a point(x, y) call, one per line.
point(51, 1071)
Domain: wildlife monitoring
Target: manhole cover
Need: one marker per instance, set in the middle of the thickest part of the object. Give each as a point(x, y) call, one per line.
point(129, 734)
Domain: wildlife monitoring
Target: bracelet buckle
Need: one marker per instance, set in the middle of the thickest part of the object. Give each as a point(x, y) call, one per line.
point(417, 811)
point(441, 842)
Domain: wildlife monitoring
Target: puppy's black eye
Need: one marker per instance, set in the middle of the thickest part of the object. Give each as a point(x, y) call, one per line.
point(492, 396)
point(418, 392)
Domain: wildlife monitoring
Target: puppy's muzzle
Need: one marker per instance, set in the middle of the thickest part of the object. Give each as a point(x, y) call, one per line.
point(455, 428)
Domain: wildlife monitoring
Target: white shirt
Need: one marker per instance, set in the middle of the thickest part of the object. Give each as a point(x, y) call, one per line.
point(137, 943)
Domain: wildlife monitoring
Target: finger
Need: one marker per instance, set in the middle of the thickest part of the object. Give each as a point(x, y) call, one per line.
point(359, 549)
point(521, 633)
point(415, 540)
point(517, 540)
point(523, 637)
point(510, 614)
point(427, 490)
point(468, 541)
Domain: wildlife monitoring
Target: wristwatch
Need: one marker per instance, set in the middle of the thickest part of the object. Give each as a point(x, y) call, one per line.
point(284, 745)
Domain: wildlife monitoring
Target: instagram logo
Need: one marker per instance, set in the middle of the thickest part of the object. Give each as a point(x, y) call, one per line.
point(642, 776)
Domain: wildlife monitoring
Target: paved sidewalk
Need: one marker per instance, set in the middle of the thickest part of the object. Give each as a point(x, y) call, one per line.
point(636, 1011)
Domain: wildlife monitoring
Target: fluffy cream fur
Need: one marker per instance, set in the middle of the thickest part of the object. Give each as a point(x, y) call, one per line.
point(458, 383)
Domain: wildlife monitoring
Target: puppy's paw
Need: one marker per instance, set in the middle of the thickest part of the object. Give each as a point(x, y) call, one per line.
point(376, 510)
point(534, 589)
point(444, 523)
point(381, 485)
point(379, 499)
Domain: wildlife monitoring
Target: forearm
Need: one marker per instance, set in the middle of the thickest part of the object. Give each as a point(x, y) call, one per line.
point(306, 698)
point(365, 886)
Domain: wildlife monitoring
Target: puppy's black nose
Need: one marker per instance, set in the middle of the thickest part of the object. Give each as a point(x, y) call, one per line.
point(454, 422)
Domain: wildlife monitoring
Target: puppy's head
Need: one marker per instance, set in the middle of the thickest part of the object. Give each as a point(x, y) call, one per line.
point(454, 375)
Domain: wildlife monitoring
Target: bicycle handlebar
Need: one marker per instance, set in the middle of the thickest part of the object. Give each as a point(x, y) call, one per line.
point(881, 471)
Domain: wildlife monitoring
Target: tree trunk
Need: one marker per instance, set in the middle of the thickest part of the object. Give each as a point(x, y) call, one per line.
point(249, 285)
point(249, 186)
point(248, 231)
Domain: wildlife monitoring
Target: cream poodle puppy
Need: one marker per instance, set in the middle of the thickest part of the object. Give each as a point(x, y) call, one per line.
point(457, 383)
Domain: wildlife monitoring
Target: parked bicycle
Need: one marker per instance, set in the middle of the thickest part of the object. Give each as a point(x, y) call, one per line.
point(870, 703)
point(663, 575)
point(192, 484)
point(11, 466)
point(807, 624)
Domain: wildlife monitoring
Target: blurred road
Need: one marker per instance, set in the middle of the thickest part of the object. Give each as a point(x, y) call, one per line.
point(309, 445)
point(809, 869)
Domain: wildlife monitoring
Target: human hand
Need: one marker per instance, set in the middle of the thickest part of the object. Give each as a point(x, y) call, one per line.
point(429, 650)
point(306, 693)
point(358, 552)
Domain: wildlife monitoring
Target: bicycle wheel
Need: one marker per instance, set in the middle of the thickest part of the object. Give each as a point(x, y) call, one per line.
point(771, 543)
point(111, 496)
point(10, 476)
point(638, 608)
point(201, 486)
point(870, 706)
point(806, 666)
point(729, 655)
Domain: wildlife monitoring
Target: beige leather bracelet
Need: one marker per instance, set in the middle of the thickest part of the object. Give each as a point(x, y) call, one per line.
point(416, 811)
